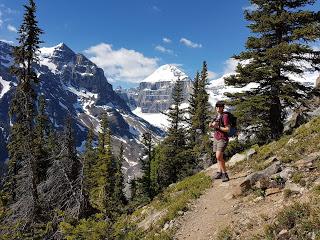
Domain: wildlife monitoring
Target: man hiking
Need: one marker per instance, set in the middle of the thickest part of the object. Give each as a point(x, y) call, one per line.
point(221, 125)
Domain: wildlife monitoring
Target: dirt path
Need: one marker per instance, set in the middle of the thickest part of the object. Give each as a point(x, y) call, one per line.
point(210, 212)
point(216, 209)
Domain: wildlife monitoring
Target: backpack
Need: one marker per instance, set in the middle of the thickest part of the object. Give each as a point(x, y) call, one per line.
point(233, 124)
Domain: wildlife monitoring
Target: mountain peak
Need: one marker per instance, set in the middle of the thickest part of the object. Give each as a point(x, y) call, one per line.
point(166, 73)
point(50, 51)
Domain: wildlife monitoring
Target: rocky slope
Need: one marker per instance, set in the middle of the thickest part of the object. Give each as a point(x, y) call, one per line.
point(273, 193)
point(74, 85)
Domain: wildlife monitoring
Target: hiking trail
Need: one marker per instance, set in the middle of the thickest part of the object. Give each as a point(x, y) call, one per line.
point(217, 209)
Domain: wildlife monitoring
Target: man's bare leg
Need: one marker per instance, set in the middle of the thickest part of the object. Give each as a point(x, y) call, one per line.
point(222, 165)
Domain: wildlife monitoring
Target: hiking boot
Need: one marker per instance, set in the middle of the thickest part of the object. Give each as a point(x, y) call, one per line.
point(225, 177)
point(218, 175)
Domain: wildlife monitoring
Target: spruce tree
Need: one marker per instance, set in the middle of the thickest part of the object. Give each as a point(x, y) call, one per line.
point(89, 160)
point(23, 165)
point(193, 104)
point(146, 164)
point(119, 196)
point(41, 140)
point(279, 46)
point(201, 118)
point(110, 202)
point(175, 143)
point(70, 153)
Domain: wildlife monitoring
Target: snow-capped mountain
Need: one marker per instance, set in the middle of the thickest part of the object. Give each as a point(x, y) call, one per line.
point(154, 93)
point(217, 87)
point(74, 85)
point(166, 73)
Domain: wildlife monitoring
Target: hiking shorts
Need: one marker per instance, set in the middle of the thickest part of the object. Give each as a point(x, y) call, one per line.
point(219, 145)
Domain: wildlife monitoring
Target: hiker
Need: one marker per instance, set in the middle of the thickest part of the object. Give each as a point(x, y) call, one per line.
point(221, 126)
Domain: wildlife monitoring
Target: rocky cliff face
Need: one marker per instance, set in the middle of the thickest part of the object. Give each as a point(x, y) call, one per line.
point(154, 93)
point(74, 85)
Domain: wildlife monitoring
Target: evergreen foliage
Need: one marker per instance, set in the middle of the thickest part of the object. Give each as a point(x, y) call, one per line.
point(174, 145)
point(282, 31)
point(119, 196)
point(201, 118)
point(23, 155)
point(89, 159)
point(146, 164)
point(193, 105)
point(41, 140)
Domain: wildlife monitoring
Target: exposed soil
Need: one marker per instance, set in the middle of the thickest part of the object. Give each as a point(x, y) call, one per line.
point(217, 209)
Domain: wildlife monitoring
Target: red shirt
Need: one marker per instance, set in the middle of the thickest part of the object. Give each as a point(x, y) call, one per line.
point(218, 134)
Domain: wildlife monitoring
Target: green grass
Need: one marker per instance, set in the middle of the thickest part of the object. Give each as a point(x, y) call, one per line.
point(300, 219)
point(289, 148)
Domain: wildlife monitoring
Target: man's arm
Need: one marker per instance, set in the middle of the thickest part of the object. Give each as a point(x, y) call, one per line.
point(226, 124)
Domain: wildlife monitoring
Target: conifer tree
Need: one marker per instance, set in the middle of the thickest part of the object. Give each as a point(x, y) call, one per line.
point(201, 118)
point(279, 47)
point(70, 154)
point(110, 202)
point(89, 160)
point(193, 104)
point(23, 165)
point(119, 196)
point(146, 161)
point(175, 143)
point(41, 139)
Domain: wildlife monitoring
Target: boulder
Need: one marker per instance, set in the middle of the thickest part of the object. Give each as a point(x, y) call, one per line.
point(253, 178)
point(250, 153)
point(236, 158)
point(283, 235)
point(294, 187)
point(308, 161)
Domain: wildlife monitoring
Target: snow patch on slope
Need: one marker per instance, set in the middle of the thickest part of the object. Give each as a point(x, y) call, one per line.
point(5, 87)
point(157, 119)
point(45, 57)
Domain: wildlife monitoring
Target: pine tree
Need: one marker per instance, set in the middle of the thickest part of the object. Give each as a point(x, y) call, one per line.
point(110, 202)
point(89, 160)
point(119, 196)
point(70, 153)
point(146, 161)
point(23, 165)
point(201, 118)
point(41, 140)
point(175, 143)
point(282, 30)
point(193, 104)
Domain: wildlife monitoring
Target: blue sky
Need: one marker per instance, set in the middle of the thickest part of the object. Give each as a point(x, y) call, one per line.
point(129, 39)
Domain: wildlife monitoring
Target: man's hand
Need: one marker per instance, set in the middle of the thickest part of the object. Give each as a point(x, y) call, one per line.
point(214, 124)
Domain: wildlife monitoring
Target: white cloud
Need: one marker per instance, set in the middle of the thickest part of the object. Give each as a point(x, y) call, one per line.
point(166, 40)
point(12, 28)
point(230, 66)
point(122, 64)
point(251, 8)
point(1, 22)
point(7, 41)
point(189, 43)
point(212, 75)
point(163, 49)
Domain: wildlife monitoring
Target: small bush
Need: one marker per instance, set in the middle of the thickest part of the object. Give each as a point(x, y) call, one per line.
point(225, 234)
point(296, 177)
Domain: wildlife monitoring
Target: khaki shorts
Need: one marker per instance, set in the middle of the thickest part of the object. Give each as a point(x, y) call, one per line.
point(219, 145)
